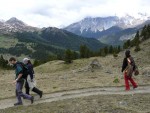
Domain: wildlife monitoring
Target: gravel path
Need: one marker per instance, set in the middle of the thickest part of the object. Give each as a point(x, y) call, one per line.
point(6, 103)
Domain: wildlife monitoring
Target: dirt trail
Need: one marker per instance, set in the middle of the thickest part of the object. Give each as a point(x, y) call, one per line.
point(6, 103)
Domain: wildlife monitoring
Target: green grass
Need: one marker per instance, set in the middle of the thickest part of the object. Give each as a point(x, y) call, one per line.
point(58, 66)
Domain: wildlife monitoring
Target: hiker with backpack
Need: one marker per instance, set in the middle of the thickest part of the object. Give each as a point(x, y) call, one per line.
point(128, 68)
point(30, 81)
point(19, 81)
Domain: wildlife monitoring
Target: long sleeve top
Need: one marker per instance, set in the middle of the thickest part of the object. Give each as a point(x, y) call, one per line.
point(18, 70)
point(30, 70)
point(125, 64)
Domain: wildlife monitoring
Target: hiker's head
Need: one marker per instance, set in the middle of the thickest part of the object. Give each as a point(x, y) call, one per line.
point(127, 53)
point(12, 60)
point(26, 60)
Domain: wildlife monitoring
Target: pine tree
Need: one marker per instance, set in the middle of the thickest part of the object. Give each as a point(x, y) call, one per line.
point(36, 63)
point(106, 50)
point(102, 52)
point(75, 55)
point(137, 39)
point(68, 56)
point(118, 49)
point(87, 54)
point(143, 32)
point(111, 49)
point(127, 44)
point(84, 51)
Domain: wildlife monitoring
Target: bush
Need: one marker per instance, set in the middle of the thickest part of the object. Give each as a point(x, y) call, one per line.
point(137, 48)
point(116, 80)
point(115, 55)
point(4, 63)
point(68, 56)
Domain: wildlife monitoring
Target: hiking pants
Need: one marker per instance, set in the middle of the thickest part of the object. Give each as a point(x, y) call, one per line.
point(31, 86)
point(127, 79)
point(19, 93)
point(27, 88)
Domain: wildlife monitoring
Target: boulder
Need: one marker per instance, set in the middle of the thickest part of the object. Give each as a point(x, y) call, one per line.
point(95, 64)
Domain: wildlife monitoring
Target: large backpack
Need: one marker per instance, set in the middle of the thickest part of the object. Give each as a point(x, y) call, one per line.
point(24, 68)
point(131, 66)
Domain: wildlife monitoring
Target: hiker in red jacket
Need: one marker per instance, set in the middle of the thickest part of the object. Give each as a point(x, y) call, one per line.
point(128, 68)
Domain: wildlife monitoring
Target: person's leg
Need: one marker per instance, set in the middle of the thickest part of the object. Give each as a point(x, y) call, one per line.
point(27, 88)
point(36, 90)
point(21, 94)
point(17, 94)
point(134, 84)
point(127, 86)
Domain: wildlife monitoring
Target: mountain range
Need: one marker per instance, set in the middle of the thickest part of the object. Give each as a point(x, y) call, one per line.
point(110, 30)
point(40, 43)
point(95, 32)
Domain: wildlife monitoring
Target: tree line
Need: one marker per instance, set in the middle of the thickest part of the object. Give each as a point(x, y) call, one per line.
point(85, 52)
point(140, 36)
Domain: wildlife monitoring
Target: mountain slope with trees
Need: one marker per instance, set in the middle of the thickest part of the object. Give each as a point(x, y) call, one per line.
point(140, 36)
point(46, 44)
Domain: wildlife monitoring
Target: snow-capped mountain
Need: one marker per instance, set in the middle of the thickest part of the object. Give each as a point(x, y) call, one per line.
point(14, 25)
point(93, 24)
point(90, 26)
point(129, 21)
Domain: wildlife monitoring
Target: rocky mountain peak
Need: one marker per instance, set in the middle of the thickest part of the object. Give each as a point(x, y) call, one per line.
point(14, 25)
point(14, 20)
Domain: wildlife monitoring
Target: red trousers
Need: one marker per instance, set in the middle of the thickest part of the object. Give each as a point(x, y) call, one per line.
point(127, 79)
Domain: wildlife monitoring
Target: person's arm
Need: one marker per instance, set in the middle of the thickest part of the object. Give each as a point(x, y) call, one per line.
point(19, 71)
point(19, 76)
point(124, 65)
point(30, 68)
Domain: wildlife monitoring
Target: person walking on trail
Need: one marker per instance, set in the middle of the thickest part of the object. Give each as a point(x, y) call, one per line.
point(128, 68)
point(30, 81)
point(19, 81)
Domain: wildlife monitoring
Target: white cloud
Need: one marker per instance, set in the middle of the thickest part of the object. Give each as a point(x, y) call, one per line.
point(58, 13)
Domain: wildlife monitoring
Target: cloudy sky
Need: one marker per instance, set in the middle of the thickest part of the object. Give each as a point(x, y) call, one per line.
point(59, 13)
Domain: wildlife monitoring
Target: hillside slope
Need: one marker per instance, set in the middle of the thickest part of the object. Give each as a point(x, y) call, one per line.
point(52, 40)
point(57, 76)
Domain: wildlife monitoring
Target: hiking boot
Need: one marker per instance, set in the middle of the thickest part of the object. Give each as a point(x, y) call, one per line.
point(135, 87)
point(32, 100)
point(18, 104)
point(36, 90)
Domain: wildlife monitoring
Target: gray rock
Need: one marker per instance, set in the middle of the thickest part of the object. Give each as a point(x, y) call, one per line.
point(91, 67)
point(109, 72)
point(95, 64)
point(123, 103)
